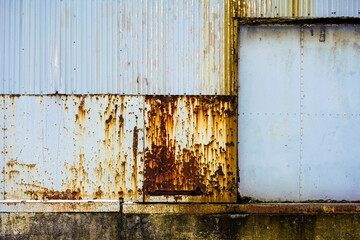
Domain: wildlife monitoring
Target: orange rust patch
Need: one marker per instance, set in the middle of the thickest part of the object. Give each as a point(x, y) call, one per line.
point(46, 194)
point(191, 147)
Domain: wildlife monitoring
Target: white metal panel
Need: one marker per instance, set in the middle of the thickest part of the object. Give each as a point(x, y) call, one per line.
point(268, 156)
point(112, 46)
point(331, 157)
point(310, 152)
point(269, 112)
point(331, 112)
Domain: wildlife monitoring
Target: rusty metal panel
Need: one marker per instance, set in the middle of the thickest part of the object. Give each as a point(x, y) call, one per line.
point(34, 206)
point(191, 148)
point(296, 8)
point(177, 148)
point(113, 46)
point(73, 147)
point(3, 148)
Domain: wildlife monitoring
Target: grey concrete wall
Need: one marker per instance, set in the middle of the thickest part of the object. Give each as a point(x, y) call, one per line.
point(59, 226)
point(178, 226)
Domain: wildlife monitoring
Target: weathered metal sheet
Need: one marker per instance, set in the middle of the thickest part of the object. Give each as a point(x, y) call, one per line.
point(113, 147)
point(255, 208)
point(331, 112)
point(296, 8)
point(113, 46)
point(298, 115)
point(269, 112)
point(34, 206)
point(3, 148)
point(73, 147)
point(191, 149)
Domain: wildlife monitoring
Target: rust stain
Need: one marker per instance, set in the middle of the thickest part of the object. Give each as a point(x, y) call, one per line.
point(13, 162)
point(135, 153)
point(190, 142)
point(190, 151)
point(99, 193)
point(46, 194)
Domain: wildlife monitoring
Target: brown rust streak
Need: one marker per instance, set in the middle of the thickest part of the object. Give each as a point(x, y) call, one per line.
point(203, 168)
point(46, 194)
point(135, 152)
point(111, 134)
point(164, 175)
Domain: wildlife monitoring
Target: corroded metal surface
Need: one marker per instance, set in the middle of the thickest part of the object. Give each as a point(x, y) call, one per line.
point(190, 150)
point(73, 147)
point(263, 208)
point(60, 206)
point(296, 8)
point(164, 208)
point(94, 147)
point(113, 46)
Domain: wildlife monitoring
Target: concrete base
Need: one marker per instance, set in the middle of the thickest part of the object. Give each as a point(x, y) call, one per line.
point(241, 226)
point(182, 221)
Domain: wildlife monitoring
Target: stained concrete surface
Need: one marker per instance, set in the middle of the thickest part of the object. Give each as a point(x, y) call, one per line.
point(178, 226)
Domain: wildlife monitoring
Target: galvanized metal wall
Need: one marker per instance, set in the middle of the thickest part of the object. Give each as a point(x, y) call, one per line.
point(299, 113)
point(137, 144)
point(111, 146)
point(297, 8)
point(113, 46)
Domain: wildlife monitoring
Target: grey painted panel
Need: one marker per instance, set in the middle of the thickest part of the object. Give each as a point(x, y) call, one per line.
point(332, 70)
point(269, 156)
point(269, 112)
point(324, 116)
point(269, 60)
point(331, 113)
point(331, 157)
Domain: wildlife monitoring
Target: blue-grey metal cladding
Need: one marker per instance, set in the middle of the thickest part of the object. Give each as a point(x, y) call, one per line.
point(298, 8)
point(112, 46)
point(299, 116)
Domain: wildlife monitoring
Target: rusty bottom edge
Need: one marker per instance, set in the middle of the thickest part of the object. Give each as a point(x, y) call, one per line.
point(160, 208)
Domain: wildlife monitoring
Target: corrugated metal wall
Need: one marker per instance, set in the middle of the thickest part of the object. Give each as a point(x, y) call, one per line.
point(297, 8)
point(113, 46)
point(136, 144)
point(110, 146)
point(83, 105)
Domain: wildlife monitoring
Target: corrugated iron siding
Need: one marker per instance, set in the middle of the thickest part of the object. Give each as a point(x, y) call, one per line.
point(96, 147)
point(296, 8)
point(190, 148)
point(113, 46)
point(73, 147)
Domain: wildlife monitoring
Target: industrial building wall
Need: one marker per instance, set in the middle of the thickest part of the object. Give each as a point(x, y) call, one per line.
point(116, 99)
point(137, 100)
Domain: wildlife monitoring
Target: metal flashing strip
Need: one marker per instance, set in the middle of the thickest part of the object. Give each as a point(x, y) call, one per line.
point(296, 21)
point(168, 208)
point(59, 206)
point(261, 208)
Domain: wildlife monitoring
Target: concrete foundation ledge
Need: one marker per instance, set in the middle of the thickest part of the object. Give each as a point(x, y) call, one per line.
point(263, 208)
point(34, 206)
point(176, 208)
point(115, 220)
